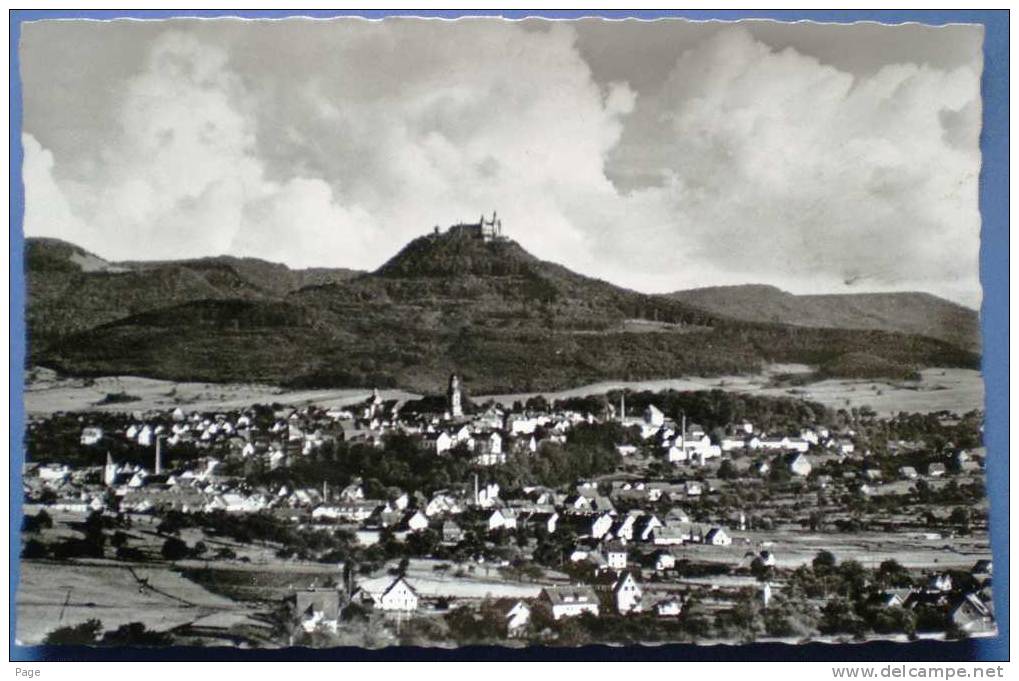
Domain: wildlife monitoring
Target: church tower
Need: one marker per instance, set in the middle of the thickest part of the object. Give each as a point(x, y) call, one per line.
point(109, 471)
point(455, 399)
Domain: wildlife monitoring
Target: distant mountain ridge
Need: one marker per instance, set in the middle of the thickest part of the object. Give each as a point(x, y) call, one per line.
point(906, 312)
point(71, 289)
point(504, 319)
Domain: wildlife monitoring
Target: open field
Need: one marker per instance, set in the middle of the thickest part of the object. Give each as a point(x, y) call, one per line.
point(957, 390)
point(792, 549)
point(52, 594)
point(48, 394)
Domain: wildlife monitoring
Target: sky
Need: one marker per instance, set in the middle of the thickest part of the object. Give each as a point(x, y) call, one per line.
point(659, 156)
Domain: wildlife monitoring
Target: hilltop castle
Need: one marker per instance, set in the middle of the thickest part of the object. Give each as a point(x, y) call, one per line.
point(484, 229)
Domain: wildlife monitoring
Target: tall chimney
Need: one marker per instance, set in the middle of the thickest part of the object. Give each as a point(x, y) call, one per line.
point(683, 432)
point(159, 454)
point(476, 501)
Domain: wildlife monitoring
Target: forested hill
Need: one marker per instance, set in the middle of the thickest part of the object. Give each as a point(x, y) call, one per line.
point(503, 318)
point(71, 289)
point(906, 312)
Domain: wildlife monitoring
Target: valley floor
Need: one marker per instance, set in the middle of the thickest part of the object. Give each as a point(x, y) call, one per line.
point(956, 390)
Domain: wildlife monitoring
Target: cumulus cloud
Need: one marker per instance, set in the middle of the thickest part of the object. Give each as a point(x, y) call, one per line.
point(781, 169)
point(765, 165)
point(182, 177)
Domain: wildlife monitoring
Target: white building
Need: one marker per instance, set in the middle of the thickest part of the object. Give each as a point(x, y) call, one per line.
point(571, 601)
point(717, 536)
point(91, 435)
point(628, 594)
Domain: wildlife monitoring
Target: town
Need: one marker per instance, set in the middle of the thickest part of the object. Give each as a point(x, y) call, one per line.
point(623, 517)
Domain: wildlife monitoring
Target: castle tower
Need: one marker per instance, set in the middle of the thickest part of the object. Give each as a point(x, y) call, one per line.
point(455, 398)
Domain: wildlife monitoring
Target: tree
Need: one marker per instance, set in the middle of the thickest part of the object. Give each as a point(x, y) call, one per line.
point(136, 634)
point(175, 549)
point(891, 573)
point(83, 634)
point(95, 540)
point(727, 471)
point(960, 516)
point(34, 549)
point(225, 553)
point(823, 562)
point(838, 617)
point(41, 521)
point(760, 571)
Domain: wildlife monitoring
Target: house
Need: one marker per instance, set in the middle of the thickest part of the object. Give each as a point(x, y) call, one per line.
point(627, 594)
point(669, 607)
point(487, 496)
point(599, 526)
point(415, 521)
point(623, 527)
point(936, 470)
point(441, 442)
point(732, 443)
point(451, 532)
point(601, 504)
point(546, 520)
point(800, 465)
point(441, 504)
point(676, 516)
point(663, 560)
point(352, 492)
point(488, 450)
point(502, 519)
point(677, 455)
point(91, 435)
point(972, 616)
point(53, 472)
point(577, 503)
point(515, 616)
point(615, 556)
point(895, 598)
point(645, 526)
point(313, 609)
point(392, 596)
point(982, 569)
point(717, 536)
point(940, 582)
point(518, 424)
point(571, 601)
point(653, 416)
point(670, 535)
point(399, 596)
point(908, 473)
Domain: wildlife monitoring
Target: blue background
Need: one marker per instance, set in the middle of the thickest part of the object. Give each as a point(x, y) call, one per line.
point(994, 315)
